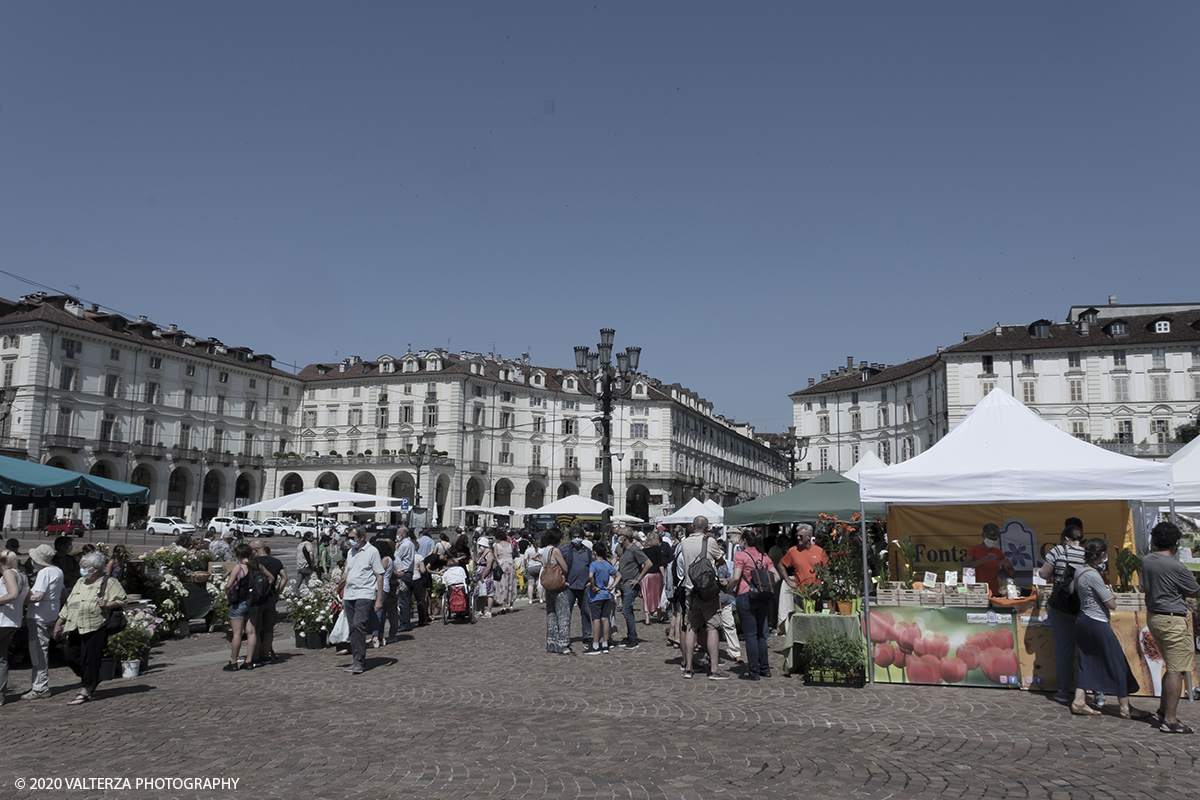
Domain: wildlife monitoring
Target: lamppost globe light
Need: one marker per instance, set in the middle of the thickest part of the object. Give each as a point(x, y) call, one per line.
point(635, 355)
point(593, 362)
point(606, 336)
point(605, 352)
point(581, 356)
point(623, 363)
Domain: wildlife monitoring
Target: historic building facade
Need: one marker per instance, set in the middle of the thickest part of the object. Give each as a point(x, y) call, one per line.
point(209, 427)
point(1123, 377)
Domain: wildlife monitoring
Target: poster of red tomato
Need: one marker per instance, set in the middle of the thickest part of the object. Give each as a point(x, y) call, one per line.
point(949, 646)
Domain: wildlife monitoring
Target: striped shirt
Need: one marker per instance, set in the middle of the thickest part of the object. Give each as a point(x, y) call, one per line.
point(1063, 555)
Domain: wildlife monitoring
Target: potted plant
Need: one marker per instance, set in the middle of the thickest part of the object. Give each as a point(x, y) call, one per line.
point(834, 659)
point(1127, 563)
point(310, 610)
point(128, 647)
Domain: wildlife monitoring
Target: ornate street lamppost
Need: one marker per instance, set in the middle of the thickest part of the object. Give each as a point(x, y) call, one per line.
point(418, 457)
point(599, 366)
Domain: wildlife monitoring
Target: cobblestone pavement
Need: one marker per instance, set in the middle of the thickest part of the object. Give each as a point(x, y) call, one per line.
point(483, 711)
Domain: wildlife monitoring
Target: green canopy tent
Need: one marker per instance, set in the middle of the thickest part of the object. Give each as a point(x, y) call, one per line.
point(828, 493)
point(25, 484)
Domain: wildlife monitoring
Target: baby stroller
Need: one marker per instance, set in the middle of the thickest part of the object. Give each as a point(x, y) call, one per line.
point(457, 601)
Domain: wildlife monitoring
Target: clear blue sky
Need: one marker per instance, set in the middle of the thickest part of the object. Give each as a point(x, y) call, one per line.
point(751, 192)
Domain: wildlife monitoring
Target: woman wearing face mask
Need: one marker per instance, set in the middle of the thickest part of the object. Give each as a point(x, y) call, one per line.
point(1068, 555)
point(14, 587)
point(83, 617)
point(987, 560)
point(1102, 663)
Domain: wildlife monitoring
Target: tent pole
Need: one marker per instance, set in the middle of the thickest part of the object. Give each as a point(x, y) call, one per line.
point(1171, 506)
point(866, 603)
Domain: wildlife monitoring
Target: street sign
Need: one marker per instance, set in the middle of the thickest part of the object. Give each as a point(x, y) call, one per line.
point(404, 504)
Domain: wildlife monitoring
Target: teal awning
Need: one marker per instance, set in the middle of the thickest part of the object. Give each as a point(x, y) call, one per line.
point(24, 484)
point(828, 493)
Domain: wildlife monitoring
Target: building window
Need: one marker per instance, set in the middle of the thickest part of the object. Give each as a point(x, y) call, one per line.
point(310, 418)
point(187, 398)
point(248, 444)
point(854, 451)
point(639, 430)
point(536, 401)
point(354, 417)
point(506, 397)
point(1079, 430)
point(506, 453)
point(112, 385)
point(907, 448)
point(253, 383)
point(68, 379)
point(1196, 387)
point(185, 435)
point(222, 377)
point(1075, 388)
point(1029, 391)
point(535, 455)
point(220, 404)
point(640, 411)
point(1121, 389)
point(477, 415)
point(822, 402)
point(570, 426)
point(823, 424)
point(1118, 358)
point(1041, 330)
point(989, 365)
point(153, 394)
point(569, 459)
point(355, 391)
point(114, 354)
point(155, 362)
point(1027, 363)
point(506, 419)
point(72, 348)
point(251, 409)
point(539, 424)
point(1160, 431)
point(1158, 387)
point(1073, 360)
point(63, 427)
point(287, 391)
point(883, 417)
point(1162, 326)
point(406, 414)
point(311, 394)
point(855, 422)
point(1158, 357)
point(808, 405)
point(381, 416)
point(883, 394)
point(823, 459)
point(1125, 431)
point(331, 415)
point(638, 463)
point(988, 386)
point(1118, 329)
point(910, 415)
point(9, 369)
point(885, 451)
point(149, 431)
point(431, 416)
point(570, 384)
point(110, 429)
point(570, 405)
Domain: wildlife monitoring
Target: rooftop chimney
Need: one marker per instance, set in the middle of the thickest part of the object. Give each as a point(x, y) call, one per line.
point(1112, 300)
point(849, 362)
point(811, 381)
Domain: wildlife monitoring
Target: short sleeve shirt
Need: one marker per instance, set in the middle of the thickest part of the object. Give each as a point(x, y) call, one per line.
point(49, 581)
point(578, 561)
point(748, 560)
point(631, 562)
point(602, 572)
point(1167, 583)
point(690, 547)
point(989, 571)
point(804, 563)
point(1093, 594)
point(1061, 557)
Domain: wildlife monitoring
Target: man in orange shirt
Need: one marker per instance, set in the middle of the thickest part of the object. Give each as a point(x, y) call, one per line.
point(802, 560)
point(987, 559)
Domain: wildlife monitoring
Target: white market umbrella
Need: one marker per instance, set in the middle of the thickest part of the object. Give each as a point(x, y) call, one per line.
point(575, 505)
point(473, 509)
point(716, 515)
point(628, 518)
point(691, 509)
point(309, 500)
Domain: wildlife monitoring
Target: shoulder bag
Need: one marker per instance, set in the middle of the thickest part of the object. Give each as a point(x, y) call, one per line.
point(1063, 597)
point(552, 578)
point(115, 621)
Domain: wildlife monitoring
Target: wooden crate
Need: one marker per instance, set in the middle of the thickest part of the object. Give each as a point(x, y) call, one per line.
point(954, 599)
point(977, 601)
point(908, 597)
point(1130, 601)
point(886, 597)
point(931, 597)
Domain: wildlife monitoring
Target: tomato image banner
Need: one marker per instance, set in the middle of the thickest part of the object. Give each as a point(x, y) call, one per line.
point(949, 646)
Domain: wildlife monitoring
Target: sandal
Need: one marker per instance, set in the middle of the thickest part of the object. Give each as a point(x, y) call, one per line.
point(80, 699)
point(1175, 727)
point(1136, 713)
point(1086, 711)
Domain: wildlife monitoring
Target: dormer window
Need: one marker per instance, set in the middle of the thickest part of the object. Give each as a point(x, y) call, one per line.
point(410, 365)
point(570, 383)
point(1117, 329)
point(1090, 316)
point(1041, 330)
point(1162, 326)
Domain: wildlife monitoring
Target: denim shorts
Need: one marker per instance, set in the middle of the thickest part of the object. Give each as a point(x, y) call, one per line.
point(241, 610)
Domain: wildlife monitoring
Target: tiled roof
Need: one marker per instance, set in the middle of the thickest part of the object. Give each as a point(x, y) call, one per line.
point(99, 323)
point(852, 380)
point(1139, 330)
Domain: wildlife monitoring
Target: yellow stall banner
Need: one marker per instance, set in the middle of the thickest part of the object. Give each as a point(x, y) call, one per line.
point(942, 534)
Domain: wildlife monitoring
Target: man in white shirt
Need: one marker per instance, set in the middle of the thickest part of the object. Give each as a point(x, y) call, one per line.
point(362, 580)
point(306, 559)
point(41, 611)
point(406, 551)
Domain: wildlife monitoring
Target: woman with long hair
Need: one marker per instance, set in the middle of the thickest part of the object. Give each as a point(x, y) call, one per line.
point(241, 614)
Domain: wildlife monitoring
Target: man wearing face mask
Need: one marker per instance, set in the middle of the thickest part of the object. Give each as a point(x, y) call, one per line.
point(363, 584)
point(987, 559)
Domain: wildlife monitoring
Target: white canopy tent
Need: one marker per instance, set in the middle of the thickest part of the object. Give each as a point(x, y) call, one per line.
point(575, 504)
point(716, 513)
point(627, 518)
point(309, 500)
point(1185, 471)
point(1004, 453)
point(869, 461)
point(691, 509)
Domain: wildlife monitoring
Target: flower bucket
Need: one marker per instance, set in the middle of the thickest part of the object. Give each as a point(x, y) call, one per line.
point(131, 669)
point(314, 640)
point(184, 628)
point(108, 668)
point(809, 606)
point(845, 608)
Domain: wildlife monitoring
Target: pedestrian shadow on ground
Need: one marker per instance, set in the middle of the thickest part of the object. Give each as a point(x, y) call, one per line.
point(109, 691)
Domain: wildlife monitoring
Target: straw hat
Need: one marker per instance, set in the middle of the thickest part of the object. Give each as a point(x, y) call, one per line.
point(42, 555)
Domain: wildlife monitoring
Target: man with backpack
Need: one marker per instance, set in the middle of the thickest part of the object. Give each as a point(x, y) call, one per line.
point(267, 615)
point(700, 555)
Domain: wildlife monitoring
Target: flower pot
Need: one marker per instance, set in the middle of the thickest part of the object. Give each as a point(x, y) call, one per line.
point(130, 669)
point(809, 606)
point(314, 640)
point(845, 608)
point(108, 668)
point(145, 663)
point(184, 628)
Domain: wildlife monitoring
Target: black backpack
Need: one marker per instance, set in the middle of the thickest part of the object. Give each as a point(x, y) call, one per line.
point(260, 587)
point(759, 580)
point(703, 575)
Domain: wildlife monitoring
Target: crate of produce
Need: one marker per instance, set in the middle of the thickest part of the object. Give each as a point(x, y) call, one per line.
point(1130, 601)
point(885, 597)
point(977, 601)
point(955, 599)
point(931, 597)
point(908, 597)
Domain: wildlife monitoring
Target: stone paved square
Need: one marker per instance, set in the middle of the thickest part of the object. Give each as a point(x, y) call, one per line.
point(483, 711)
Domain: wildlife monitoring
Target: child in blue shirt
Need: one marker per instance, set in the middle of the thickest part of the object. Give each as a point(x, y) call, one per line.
point(602, 577)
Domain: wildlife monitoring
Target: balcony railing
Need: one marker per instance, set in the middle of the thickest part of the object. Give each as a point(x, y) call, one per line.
point(539, 472)
point(1143, 450)
point(185, 453)
point(217, 457)
point(11, 445)
point(569, 473)
point(152, 450)
point(110, 446)
point(480, 467)
point(250, 461)
point(400, 460)
point(58, 440)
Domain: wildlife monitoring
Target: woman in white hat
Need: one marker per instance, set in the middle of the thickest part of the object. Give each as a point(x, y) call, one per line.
point(40, 614)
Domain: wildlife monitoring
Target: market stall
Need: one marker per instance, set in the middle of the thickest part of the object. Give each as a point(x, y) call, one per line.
point(1004, 465)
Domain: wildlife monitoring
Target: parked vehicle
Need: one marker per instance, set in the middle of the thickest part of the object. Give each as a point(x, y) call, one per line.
point(169, 526)
point(218, 525)
point(282, 525)
point(66, 527)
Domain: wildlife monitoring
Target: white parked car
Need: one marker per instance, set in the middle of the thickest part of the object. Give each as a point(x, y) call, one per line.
point(169, 526)
point(281, 525)
point(218, 525)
